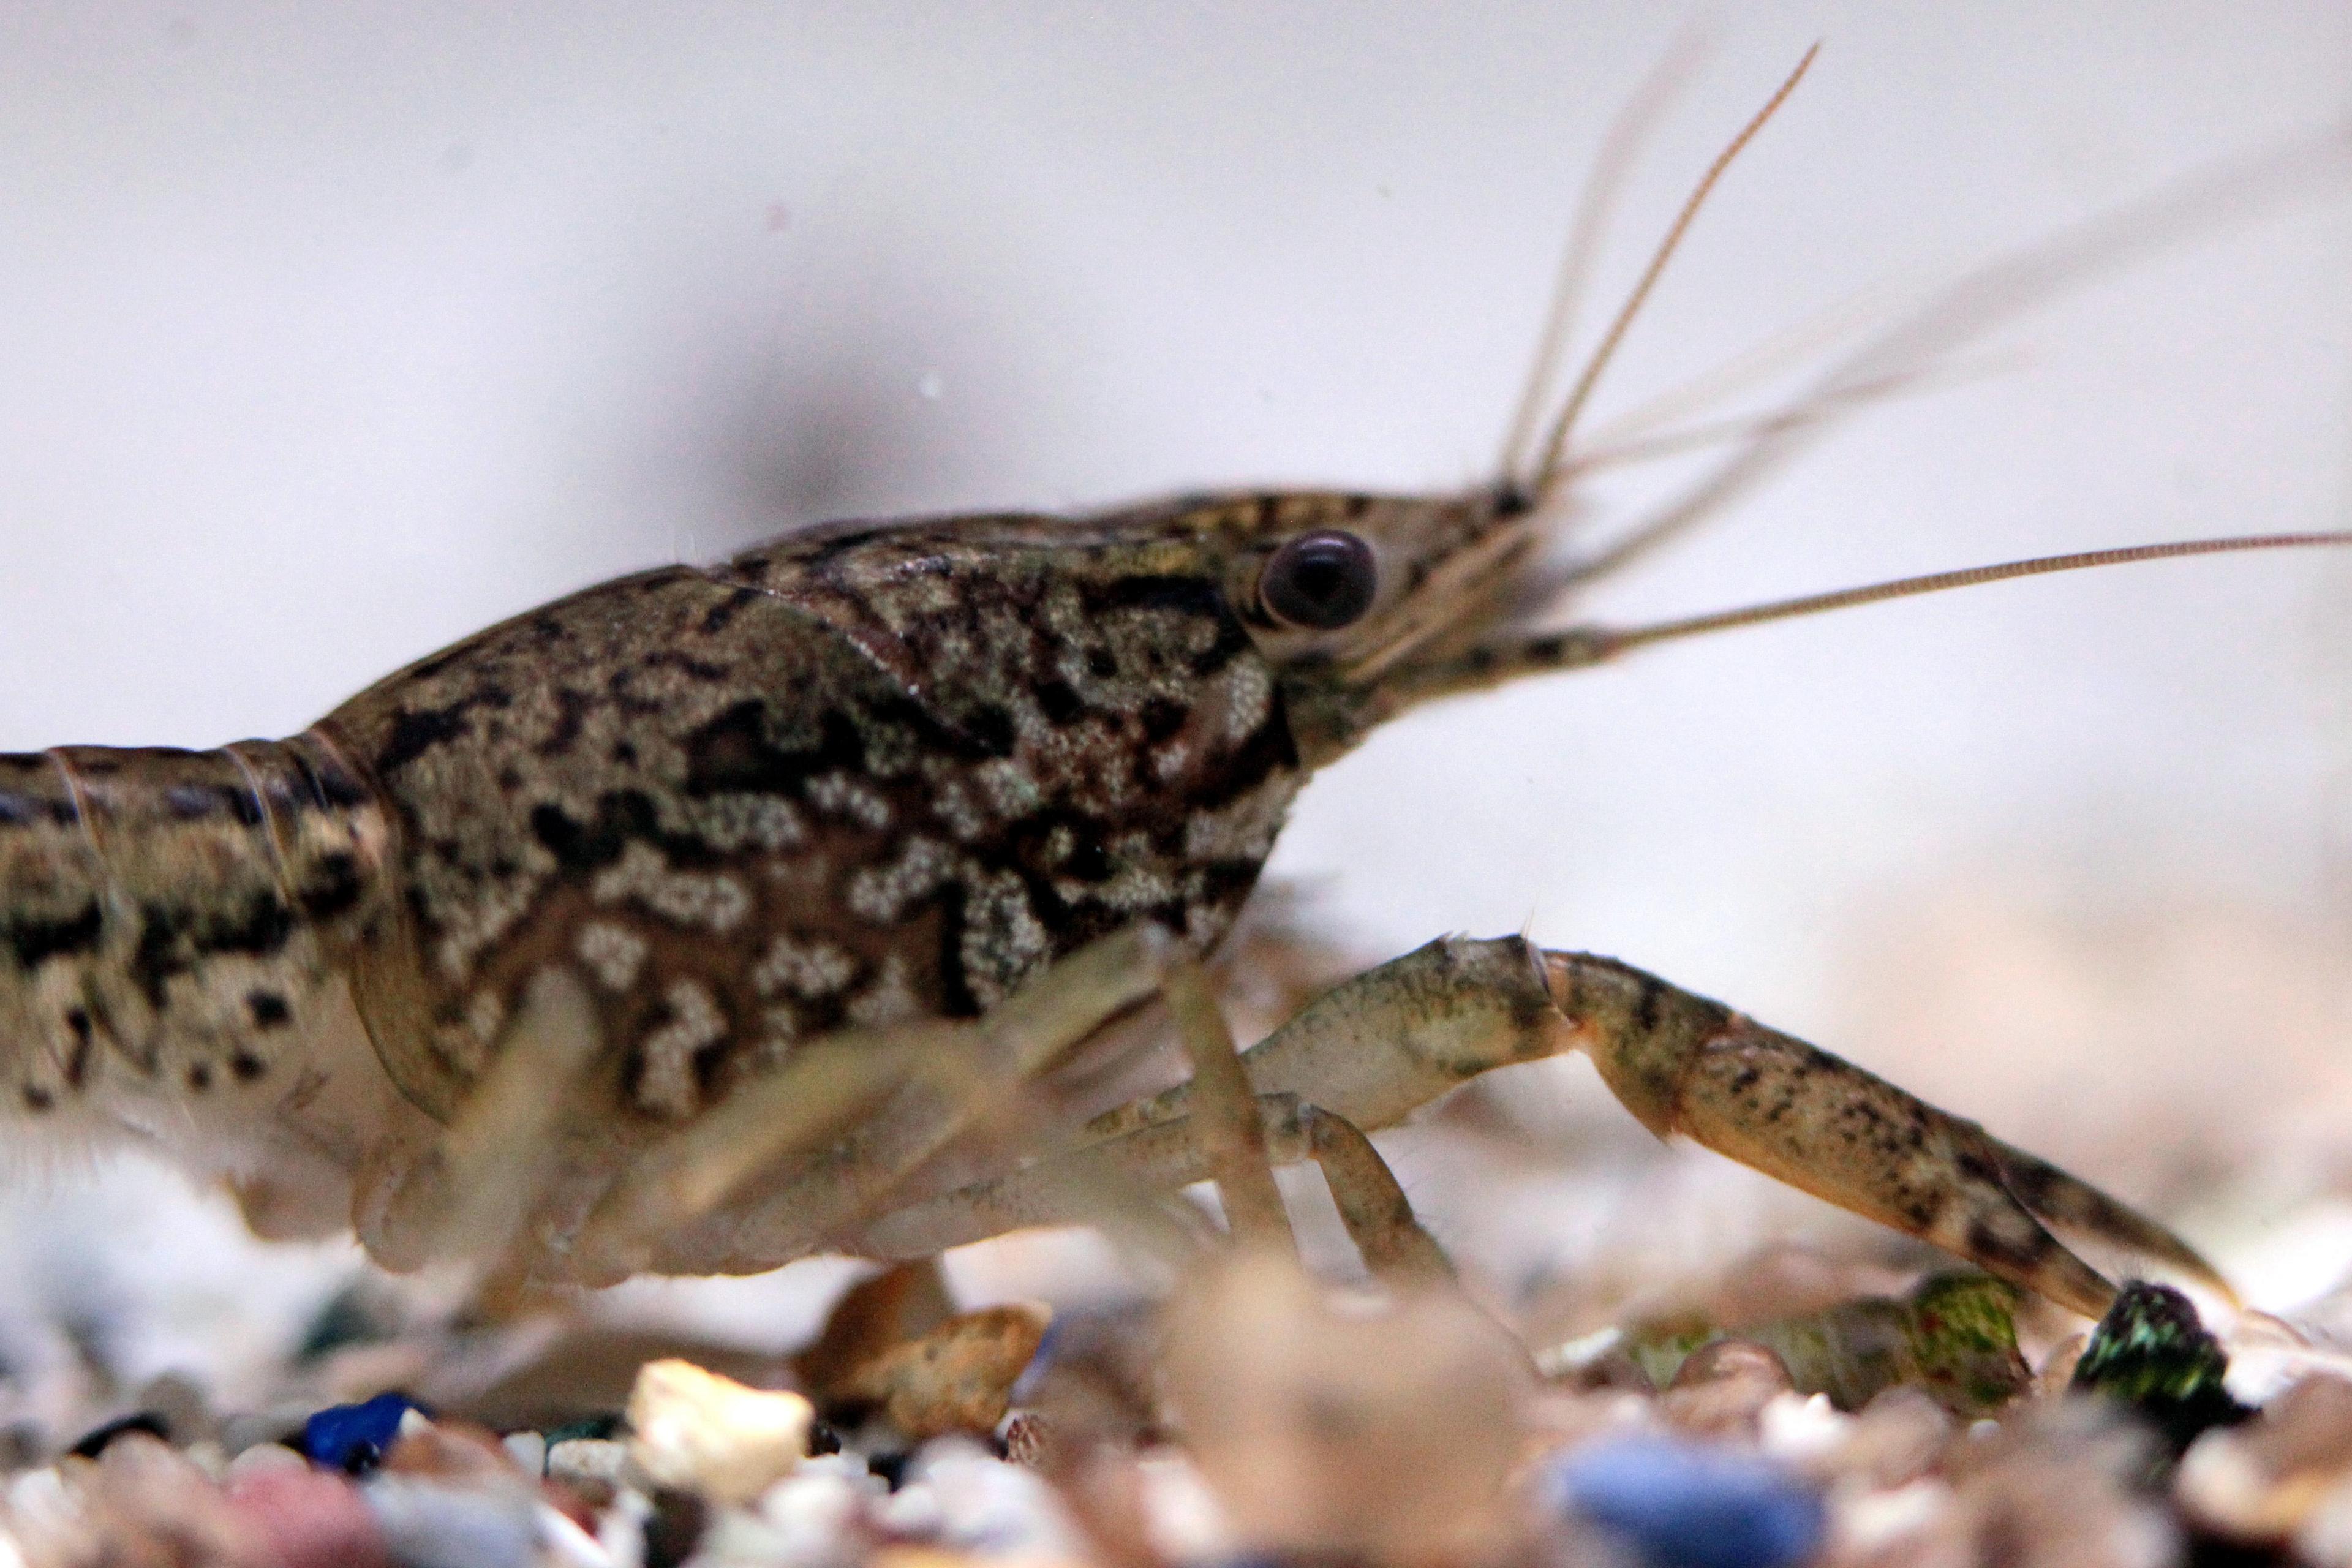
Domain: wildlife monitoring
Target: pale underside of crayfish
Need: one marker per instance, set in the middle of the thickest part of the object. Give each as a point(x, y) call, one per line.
point(719, 915)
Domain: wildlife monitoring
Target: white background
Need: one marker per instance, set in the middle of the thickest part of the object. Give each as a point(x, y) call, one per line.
point(333, 333)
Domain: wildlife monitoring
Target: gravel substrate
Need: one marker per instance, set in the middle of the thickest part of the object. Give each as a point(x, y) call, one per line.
point(1259, 1417)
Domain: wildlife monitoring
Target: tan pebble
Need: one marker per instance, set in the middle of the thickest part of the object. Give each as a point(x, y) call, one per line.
point(957, 1378)
point(901, 1303)
point(1026, 1440)
point(1721, 1388)
point(707, 1434)
point(1328, 1426)
point(2057, 1484)
point(448, 1450)
point(2308, 1428)
point(1869, 1523)
point(263, 1458)
point(2324, 1539)
point(2263, 1480)
point(908, 1557)
point(2221, 1485)
point(149, 1504)
point(1896, 1437)
point(2058, 1367)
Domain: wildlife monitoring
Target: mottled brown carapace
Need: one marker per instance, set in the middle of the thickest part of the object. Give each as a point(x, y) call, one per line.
point(864, 774)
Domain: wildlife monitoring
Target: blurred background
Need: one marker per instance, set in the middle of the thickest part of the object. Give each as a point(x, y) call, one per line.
point(334, 333)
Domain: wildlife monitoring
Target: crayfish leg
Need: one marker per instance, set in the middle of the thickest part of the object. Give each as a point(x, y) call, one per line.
point(1684, 1064)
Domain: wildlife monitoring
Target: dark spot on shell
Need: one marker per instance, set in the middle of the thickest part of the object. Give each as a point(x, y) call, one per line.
point(192, 802)
point(415, 732)
point(733, 753)
point(200, 1077)
point(419, 730)
point(992, 728)
point(269, 1009)
point(572, 710)
point(1986, 1239)
point(694, 669)
point(1059, 702)
point(259, 930)
point(715, 620)
point(34, 940)
point(37, 1099)
point(1088, 860)
point(576, 846)
point(332, 887)
point(338, 787)
point(1162, 719)
point(1648, 1006)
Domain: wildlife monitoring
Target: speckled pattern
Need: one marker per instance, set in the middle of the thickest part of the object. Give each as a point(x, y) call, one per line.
point(851, 778)
point(172, 917)
point(862, 774)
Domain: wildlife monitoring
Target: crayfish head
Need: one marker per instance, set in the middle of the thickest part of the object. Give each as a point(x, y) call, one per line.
point(1364, 605)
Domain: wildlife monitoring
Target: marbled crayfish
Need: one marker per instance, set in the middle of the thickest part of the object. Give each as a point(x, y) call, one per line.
point(689, 923)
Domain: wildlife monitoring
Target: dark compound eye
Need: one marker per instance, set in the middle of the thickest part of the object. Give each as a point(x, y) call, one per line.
point(1322, 581)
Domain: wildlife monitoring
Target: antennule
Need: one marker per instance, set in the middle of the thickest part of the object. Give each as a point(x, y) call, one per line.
point(1548, 468)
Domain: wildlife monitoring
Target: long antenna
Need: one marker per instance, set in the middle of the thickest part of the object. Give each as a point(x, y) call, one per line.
point(1611, 641)
point(1487, 665)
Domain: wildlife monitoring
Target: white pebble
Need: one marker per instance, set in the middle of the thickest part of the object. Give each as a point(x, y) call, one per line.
point(1874, 1520)
point(847, 1467)
point(819, 1506)
point(1802, 1428)
point(1181, 1515)
point(912, 1511)
point(622, 1532)
point(529, 1451)
point(567, 1544)
point(430, 1524)
point(587, 1459)
point(709, 1434)
point(985, 1504)
point(811, 1519)
point(2325, 1537)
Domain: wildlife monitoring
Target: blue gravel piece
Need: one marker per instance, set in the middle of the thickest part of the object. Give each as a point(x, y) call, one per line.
point(1689, 1505)
point(353, 1437)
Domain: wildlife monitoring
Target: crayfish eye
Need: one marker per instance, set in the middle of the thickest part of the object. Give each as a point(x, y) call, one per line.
point(1321, 581)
